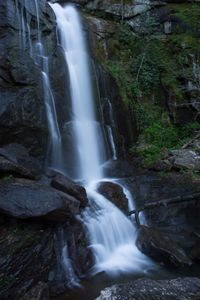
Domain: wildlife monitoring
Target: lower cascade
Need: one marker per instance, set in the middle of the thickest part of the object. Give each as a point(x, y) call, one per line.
point(112, 234)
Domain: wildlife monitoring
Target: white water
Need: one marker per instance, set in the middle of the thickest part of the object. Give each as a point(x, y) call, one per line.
point(55, 155)
point(112, 143)
point(112, 234)
point(72, 41)
point(110, 130)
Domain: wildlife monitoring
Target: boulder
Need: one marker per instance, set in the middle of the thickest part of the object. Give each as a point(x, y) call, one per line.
point(161, 248)
point(64, 184)
point(14, 159)
point(115, 194)
point(25, 199)
point(185, 159)
point(176, 289)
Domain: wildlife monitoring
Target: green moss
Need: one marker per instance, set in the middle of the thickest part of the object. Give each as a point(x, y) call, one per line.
point(146, 68)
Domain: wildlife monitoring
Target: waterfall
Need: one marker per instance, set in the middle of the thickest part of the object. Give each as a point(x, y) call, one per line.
point(85, 127)
point(112, 234)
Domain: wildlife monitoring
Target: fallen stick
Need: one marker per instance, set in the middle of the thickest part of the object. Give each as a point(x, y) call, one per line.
point(191, 141)
point(164, 202)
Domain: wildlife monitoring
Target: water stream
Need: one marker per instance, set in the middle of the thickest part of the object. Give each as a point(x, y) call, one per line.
point(112, 234)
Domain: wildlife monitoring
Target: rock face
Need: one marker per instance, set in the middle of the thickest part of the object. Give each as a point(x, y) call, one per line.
point(118, 168)
point(31, 258)
point(185, 159)
point(15, 160)
point(148, 187)
point(124, 11)
point(24, 199)
point(176, 289)
point(115, 194)
point(26, 257)
point(161, 248)
point(22, 109)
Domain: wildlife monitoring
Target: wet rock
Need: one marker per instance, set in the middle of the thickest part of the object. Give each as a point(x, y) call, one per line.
point(26, 199)
point(115, 8)
point(148, 186)
point(64, 184)
point(115, 194)
point(26, 256)
point(22, 113)
point(31, 256)
point(79, 250)
point(38, 292)
point(81, 2)
point(118, 169)
point(176, 289)
point(161, 248)
point(22, 109)
point(73, 258)
point(188, 240)
point(14, 159)
point(185, 159)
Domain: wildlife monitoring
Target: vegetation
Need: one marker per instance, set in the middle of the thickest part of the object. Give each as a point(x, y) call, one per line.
point(148, 68)
point(160, 136)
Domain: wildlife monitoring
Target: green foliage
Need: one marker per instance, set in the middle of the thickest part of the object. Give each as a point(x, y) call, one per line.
point(160, 136)
point(147, 64)
point(157, 134)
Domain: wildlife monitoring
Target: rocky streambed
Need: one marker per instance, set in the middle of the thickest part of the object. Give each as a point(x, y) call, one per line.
point(39, 216)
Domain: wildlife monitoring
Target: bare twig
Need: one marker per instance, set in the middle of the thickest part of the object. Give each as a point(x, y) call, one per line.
point(191, 141)
point(164, 202)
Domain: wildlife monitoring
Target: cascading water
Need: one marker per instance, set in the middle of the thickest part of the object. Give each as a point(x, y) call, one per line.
point(112, 234)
